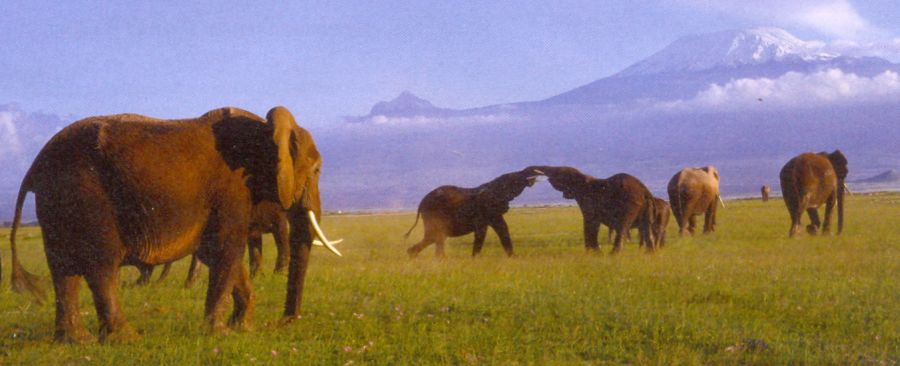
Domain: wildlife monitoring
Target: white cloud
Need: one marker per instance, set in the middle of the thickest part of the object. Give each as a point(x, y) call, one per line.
point(795, 90)
point(833, 18)
point(9, 136)
point(381, 120)
point(887, 49)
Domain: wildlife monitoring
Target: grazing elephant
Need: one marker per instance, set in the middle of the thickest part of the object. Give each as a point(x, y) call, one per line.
point(620, 202)
point(454, 211)
point(765, 192)
point(662, 211)
point(807, 181)
point(695, 191)
point(132, 190)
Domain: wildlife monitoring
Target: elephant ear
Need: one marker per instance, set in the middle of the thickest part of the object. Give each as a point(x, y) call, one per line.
point(282, 122)
point(839, 162)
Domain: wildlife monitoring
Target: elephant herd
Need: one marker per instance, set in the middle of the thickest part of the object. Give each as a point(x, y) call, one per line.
point(125, 189)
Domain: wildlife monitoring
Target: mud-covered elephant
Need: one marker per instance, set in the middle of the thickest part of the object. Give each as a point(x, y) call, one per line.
point(620, 202)
point(809, 180)
point(267, 217)
point(127, 189)
point(692, 192)
point(764, 192)
point(450, 211)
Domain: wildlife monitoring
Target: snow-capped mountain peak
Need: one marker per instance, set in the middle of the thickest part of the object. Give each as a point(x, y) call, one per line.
point(730, 48)
point(405, 103)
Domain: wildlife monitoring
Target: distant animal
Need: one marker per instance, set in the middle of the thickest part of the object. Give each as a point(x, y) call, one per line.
point(267, 217)
point(450, 211)
point(662, 211)
point(809, 180)
point(765, 193)
point(132, 190)
point(620, 202)
point(695, 191)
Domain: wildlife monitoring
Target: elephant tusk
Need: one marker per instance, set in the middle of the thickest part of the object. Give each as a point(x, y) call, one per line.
point(321, 235)
point(847, 188)
point(721, 201)
point(318, 242)
point(539, 171)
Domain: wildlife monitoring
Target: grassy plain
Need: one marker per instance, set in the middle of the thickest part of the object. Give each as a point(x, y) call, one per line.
point(745, 294)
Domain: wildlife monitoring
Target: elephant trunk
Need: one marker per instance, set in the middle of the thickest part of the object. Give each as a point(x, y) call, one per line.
point(840, 203)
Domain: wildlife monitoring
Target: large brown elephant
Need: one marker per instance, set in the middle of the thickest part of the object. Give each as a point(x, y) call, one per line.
point(127, 189)
point(450, 211)
point(267, 217)
point(809, 180)
point(620, 202)
point(695, 191)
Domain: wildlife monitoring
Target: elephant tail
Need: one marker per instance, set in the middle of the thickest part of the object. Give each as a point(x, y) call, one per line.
point(20, 279)
point(650, 219)
point(418, 213)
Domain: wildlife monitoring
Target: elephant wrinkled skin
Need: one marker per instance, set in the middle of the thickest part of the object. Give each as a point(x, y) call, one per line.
point(450, 211)
point(132, 190)
point(809, 180)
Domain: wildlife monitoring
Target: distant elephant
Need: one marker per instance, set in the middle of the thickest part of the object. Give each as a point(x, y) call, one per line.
point(765, 192)
point(127, 189)
point(662, 211)
point(620, 202)
point(267, 217)
point(807, 181)
point(695, 191)
point(450, 211)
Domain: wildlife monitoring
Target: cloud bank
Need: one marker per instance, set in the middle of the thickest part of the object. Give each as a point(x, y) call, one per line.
point(795, 90)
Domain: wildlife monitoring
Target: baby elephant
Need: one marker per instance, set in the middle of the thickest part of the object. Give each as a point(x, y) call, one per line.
point(454, 211)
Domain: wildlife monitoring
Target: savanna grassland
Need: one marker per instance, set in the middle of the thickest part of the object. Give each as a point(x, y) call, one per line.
point(745, 294)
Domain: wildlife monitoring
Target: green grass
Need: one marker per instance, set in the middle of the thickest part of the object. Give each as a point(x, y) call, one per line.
point(812, 300)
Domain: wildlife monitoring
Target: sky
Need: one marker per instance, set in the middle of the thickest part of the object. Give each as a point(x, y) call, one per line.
point(324, 60)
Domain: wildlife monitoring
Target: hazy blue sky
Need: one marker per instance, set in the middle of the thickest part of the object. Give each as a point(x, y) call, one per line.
point(326, 59)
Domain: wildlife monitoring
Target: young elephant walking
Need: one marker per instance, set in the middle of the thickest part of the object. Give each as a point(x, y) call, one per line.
point(450, 211)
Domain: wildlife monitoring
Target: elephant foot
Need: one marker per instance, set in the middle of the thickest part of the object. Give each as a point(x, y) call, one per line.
point(280, 270)
point(241, 325)
point(218, 329)
point(811, 229)
point(125, 334)
point(288, 320)
point(74, 336)
point(412, 253)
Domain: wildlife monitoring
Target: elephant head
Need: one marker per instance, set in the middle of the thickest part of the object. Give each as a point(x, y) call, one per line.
point(494, 196)
point(839, 163)
point(282, 161)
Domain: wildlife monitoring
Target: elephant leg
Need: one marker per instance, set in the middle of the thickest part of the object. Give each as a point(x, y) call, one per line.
point(165, 272)
point(814, 221)
point(692, 224)
point(478, 243)
point(69, 326)
point(254, 243)
point(709, 224)
point(244, 300)
point(502, 230)
point(221, 282)
point(829, 206)
point(193, 272)
point(103, 283)
point(281, 234)
point(414, 250)
point(439, 243)
point(146, 274)
point(591, 230)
